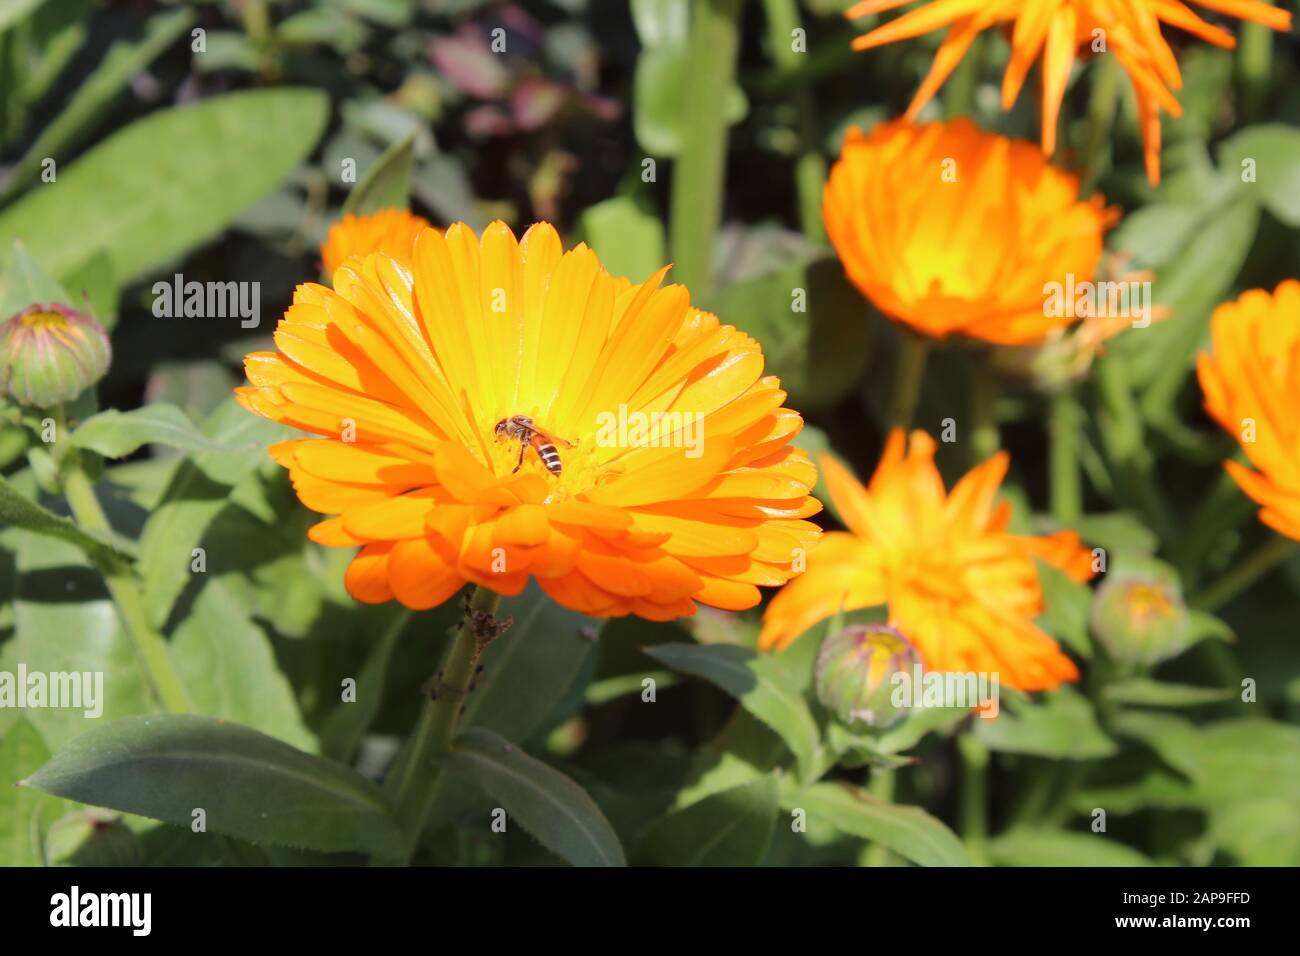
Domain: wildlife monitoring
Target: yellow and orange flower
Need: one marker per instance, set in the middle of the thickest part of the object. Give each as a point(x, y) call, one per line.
point(1060, 30)
point(406, 372)
point(952, 230)
point(961, 588)
point(1252, 389)
point(390, 231)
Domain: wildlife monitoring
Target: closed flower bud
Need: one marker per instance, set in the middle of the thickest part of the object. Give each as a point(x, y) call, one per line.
point(855, 670)
point(50, 354)
point(1139, 616)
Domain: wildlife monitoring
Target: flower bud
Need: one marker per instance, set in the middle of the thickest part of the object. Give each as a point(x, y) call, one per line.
point(50, 354)
point(1139, 616)
point(855, 670)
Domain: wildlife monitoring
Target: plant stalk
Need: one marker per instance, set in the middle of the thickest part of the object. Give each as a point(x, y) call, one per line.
point(698, 178)
point(913, 350)
point(150, 649)
point(1263, 560)
point(415, 777)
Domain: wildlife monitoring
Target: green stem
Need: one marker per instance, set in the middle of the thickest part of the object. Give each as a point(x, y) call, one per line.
point(1066, 489)
point(696, 206)
point(810, 166)
point(150, 649)
point(882, 788)
point(974, 797)
point(1103, 104)
point(1221, 509)
point(1254, 66)
point(1263, 560)
point(959, 92)
point(412, 783)
point(913, 350)
point(1120, 426)
point(985, 439)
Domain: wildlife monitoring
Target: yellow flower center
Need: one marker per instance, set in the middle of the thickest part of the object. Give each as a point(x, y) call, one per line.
point(45, 321)
point(1146, 602)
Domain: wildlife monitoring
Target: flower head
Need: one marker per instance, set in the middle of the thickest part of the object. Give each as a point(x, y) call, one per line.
point(952, 230)
point(855, 673)
point(1252, 389)
point(1138, 614)
point(390, 231)
point(962, 589)
point(50, 354)
point(502, 410)
point(1058, 30)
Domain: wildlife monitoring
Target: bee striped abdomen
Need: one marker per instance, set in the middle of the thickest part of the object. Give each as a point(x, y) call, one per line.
point(550, 458)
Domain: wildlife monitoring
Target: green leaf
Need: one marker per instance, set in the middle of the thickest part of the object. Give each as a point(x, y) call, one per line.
point(23, 815)
point(250, 786)
point(1231, 761)
point(1061, 725)
point(196, 494)
point(227, 661)
point(550, 806)
point(529, 669)
point(96, 94)
point(144, 205)
point(908, 831)
point(1062, 848)
point(1144, 692)
point(1191, 285)
point(24, 283)
point(757, 682)
point(116, 434)
point(1118, 531)
point(64, 622)
point(386, 184)
point(663, 83)
point(812, 324)
point(15, 10)
point(730, 828)
point(628, 239)
point(1066, 605)
point(349, 721)
point(1274, 152)
point(19, 511)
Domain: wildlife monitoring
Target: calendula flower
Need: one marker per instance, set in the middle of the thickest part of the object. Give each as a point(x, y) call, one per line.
point(952, 230)
point(1059, 31)
point(1252, 388)
point(390, 231)
point(501, 410)
point(958, 585)
point(50, 354)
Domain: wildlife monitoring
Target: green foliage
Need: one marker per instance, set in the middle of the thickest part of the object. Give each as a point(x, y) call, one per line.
point(639, 132)
point(248, 785)
point(546, 803)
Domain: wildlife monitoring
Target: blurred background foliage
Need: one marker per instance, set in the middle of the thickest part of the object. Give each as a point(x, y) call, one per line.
point(220, 155)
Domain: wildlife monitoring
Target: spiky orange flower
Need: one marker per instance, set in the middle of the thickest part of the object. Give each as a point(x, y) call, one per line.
point(958, 585)
point(1060, 30)
point(390, 231)
point(1252, 389)
point(956, 231)
point(676, 480)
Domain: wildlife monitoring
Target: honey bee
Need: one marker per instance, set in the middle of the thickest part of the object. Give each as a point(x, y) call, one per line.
point(521, 428)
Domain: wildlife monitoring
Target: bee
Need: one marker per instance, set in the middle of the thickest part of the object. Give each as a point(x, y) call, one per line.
point(521, 428)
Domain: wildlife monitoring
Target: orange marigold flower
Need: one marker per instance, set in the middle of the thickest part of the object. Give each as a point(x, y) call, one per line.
point(1060, 30)
point(1252, 389)
point(662, 474)
point(961, 588)
point(390, 231)
point(956, 231)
